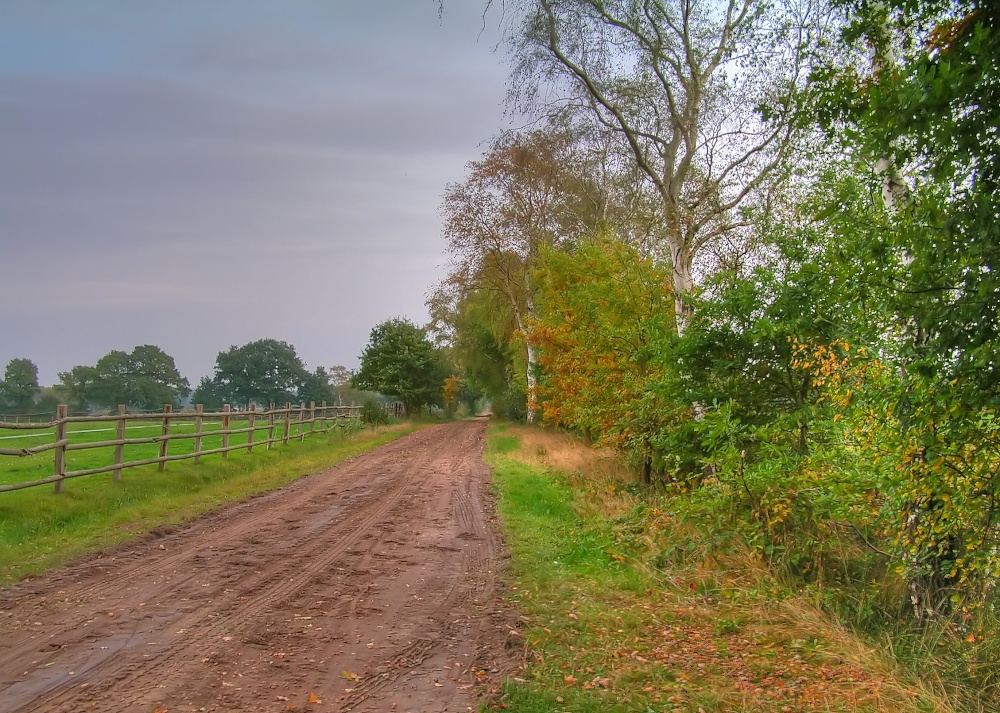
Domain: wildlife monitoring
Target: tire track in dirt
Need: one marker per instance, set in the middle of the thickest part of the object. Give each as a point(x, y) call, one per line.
point(259, 604)
point(262, 592)
point(459, 595)
point(230, 527)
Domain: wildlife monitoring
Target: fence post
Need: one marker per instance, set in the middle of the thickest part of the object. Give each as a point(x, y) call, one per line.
point(270, 426)
point(250, 421)
point(165, 443)
point(323, 408)
point(312, 417)
point(120, 448)
point(288, 423)
point(302, 420)
point(226, 408)
point(60, 452)
point(199, 419)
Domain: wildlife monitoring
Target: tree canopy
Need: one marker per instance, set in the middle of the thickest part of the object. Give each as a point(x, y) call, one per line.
point(19, 386)
point(399, 360)
point(145, 378)
point(261, 372)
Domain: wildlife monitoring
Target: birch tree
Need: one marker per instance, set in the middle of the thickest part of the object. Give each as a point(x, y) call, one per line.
point(704, 95)
point(497, 221)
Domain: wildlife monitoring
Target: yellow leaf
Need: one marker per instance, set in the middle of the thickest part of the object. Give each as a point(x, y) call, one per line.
point(349, 675)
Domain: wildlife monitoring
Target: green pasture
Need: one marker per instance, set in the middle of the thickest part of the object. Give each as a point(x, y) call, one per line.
point(19, 469)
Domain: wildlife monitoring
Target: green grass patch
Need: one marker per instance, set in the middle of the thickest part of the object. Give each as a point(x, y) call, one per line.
point(628, 609)
point(40, 529)
point(21, 469)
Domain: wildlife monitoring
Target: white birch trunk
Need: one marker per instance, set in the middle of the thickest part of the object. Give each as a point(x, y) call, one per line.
point(531, 358)
point(532, 384)
point(683, 285)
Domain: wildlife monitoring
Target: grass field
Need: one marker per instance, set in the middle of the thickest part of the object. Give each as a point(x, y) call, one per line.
point(14, 469)
point(40, 529)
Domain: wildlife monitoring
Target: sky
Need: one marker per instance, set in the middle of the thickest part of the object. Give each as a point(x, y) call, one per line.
point(197, 175)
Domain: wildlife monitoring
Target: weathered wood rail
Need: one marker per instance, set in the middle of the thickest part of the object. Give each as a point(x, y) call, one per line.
point(290, 422)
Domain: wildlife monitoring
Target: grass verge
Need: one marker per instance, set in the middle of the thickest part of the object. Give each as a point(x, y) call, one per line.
point(627, 609)
point(40, 529)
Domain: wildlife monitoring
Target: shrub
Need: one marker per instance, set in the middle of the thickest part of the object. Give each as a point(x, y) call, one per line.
point(373, 413)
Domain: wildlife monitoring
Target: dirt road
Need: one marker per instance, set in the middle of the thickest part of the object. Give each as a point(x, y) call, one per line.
point(369, 587)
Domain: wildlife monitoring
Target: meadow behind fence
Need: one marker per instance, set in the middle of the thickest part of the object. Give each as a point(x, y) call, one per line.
point(74, 446)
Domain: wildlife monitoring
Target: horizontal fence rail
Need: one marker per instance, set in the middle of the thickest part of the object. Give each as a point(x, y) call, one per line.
point(278, 425)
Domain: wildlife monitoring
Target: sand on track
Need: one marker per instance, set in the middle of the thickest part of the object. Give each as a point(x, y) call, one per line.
point(372, 586)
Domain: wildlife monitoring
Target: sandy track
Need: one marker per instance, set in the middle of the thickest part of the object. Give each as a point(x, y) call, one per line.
point(370, 586)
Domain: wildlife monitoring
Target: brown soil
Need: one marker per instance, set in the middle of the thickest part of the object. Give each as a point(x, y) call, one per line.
point(370, 587)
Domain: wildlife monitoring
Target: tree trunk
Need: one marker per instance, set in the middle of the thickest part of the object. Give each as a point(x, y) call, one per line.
point(683, 285)
point(531, 368)
point(646, 472)
point(532, 384)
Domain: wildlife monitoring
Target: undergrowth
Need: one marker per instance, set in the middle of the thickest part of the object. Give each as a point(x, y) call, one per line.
point(637, 599)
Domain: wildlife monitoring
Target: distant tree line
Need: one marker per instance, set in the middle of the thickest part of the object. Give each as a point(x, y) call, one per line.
point(260, 372)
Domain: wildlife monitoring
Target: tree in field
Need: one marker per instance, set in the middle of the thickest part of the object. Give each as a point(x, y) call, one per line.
point(112, 382)
point(75, 385)
point(704, 96)
point(19, 386)
point(339, 375)
point(155, 380)
point(399, 360)
point(262, 372)
point(207, 394)
point(145, 378)
point(316, 387)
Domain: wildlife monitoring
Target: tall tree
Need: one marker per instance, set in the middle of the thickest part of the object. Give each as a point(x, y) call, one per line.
point(703, 95)
point(261, 372)
point(75, 385)
point(19, 386)
point(145, 378)
point(316, 387)
point(399, 360)
point(155, 380)
point(514, 202)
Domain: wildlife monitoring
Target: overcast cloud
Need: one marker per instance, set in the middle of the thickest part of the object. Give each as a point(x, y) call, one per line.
point(200, 174)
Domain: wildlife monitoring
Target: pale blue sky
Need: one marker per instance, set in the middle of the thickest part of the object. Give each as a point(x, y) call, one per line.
point(201, 173)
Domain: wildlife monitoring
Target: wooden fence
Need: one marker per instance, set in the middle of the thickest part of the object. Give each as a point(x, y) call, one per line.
point(280, 425)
